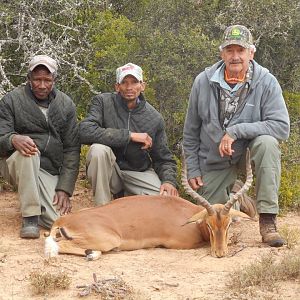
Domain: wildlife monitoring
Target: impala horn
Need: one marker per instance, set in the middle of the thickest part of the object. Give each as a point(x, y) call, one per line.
point(199, 199)
point(244, 188)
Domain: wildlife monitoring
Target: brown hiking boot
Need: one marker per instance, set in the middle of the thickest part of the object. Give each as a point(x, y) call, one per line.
point(268, 230)
point(247, 204)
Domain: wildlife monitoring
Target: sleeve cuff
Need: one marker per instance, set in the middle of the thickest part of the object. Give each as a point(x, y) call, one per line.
point(10, 145)
point(231, 134)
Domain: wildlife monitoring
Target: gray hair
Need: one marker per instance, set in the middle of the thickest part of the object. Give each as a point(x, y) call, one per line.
point(252, 48)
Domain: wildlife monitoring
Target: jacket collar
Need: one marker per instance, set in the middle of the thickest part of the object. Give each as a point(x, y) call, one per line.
point(140, 105)
point(258, 72)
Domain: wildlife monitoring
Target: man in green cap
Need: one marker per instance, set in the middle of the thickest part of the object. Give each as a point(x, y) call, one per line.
point(237, 104)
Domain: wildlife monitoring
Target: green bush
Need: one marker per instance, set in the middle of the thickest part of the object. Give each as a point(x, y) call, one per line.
point(289, 193)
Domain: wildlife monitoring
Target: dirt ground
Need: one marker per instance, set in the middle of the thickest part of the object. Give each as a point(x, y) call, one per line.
point(148, 273)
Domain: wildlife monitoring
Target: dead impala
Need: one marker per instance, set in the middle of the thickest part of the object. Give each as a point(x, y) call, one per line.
point(138, 222)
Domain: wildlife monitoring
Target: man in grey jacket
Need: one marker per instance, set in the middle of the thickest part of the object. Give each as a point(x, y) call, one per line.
point(235, 104)
point(39, 146)
point(129, 152)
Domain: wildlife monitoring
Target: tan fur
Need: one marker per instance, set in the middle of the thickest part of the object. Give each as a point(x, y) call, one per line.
point(138, 222)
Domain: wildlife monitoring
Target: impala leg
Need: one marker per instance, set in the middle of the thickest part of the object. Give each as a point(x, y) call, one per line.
point(67, 247)
point(92, 254)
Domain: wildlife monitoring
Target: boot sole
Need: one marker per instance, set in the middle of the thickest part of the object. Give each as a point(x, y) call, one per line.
point(29, 236)
point(30, 233)
point(275, 243)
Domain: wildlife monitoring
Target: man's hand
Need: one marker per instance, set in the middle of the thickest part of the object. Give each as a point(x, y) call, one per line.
point(62, 201)
point(195, 183)
point(24, 144)
point(143, 138)
point(168, 189)
point(225, 145)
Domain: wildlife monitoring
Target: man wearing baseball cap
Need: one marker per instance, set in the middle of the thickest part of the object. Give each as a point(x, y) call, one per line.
point(129, 154)
point(39, 145)
point(234, 105)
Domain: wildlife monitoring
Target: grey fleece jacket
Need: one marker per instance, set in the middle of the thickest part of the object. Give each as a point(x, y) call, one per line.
point(109, 122)
point(263, 112)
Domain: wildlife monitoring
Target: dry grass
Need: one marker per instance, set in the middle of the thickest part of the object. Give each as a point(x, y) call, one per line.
point(261, 276)
point(235, 238)
point(111, 288)
point(291, 235)
point(5, 186)
point(45, 282)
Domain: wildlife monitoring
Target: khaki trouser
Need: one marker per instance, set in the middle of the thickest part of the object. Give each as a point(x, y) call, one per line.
point(36, 187)
point(107, 178)
point(265, 155)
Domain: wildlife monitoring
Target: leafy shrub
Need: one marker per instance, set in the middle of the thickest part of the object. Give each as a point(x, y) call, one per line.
point(289, 194)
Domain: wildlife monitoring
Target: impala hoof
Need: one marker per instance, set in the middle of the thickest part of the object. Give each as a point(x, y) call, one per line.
point(92, 255)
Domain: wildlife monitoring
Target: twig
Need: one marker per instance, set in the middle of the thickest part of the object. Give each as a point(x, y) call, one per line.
point(237, 251)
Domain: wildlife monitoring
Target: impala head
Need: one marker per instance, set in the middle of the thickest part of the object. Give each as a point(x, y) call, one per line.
point(218, 225)
point(217, 217)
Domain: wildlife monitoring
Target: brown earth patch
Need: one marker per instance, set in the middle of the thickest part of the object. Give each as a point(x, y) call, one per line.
point(142, 274)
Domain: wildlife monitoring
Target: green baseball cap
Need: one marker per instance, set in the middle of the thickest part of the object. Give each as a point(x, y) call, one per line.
point(237, 35)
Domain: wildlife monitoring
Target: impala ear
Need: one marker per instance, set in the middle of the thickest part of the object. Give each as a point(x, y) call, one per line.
point(197, 218)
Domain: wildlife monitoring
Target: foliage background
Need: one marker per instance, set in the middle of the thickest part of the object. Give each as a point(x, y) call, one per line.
point(173, 40)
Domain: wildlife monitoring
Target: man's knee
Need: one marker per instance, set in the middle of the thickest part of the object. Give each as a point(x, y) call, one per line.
point(19, 165)
point(265, 152)
point(18, 159)
point(265, 143)
point(99, 152)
